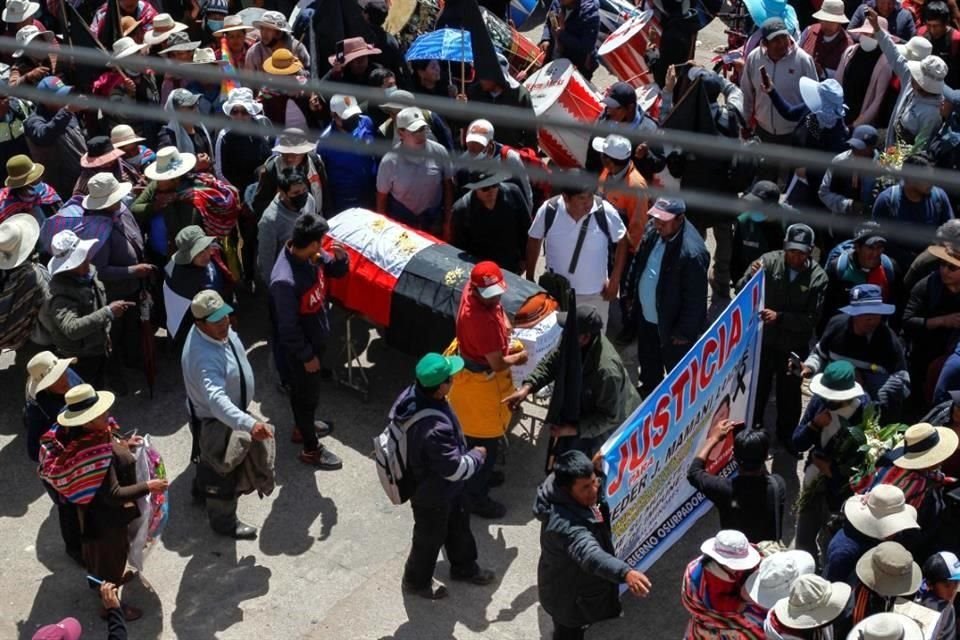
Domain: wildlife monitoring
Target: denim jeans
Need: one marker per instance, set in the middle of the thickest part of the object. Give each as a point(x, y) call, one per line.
point(436, 526)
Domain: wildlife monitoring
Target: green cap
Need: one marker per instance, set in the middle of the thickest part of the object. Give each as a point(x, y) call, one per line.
point(435, 369)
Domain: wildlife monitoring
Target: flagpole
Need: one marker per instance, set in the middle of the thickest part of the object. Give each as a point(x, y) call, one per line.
point(463, 66)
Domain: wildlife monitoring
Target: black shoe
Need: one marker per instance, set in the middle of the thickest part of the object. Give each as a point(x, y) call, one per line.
point(239, 531)
point(497, 478)
point(433, 591)
point(481, 578)
point(489, 509)
point(322, 458)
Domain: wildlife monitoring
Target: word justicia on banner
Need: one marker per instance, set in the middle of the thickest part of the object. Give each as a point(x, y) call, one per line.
point(646, 459)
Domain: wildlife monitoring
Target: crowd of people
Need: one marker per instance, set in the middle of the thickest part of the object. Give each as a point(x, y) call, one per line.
point(110, 222)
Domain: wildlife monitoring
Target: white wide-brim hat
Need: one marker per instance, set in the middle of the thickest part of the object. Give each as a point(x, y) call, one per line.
point(771, 581)
point(170, 164)
point(813, 602)
point(886, 626)
point(838, 395)
point(18, 237)
point(73, 259)
point(731, 549)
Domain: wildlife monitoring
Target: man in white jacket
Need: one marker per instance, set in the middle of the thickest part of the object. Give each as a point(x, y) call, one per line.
point(785, 63)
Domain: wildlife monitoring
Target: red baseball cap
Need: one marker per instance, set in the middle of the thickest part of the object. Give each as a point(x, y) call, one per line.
point(66, 629)
point(487, 279)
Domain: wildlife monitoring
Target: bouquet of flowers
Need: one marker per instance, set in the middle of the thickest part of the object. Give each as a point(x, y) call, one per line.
point(874, 440)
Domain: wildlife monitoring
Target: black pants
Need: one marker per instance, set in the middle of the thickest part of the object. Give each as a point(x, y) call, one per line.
point(561, 632)
point(304, 398)
point(92, 369)
point(446, 526)
point(654, 358)
point(69, 521)
point(773, 375)
point(477, 487)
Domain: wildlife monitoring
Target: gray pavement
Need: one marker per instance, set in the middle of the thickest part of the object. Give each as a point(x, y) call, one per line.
point(328, 560)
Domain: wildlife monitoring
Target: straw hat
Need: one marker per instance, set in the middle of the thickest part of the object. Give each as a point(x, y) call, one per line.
point(889, 570)
point(832, 11)
point(126, 47)
point(206, 56)
point(771, 582)
point(232, 23)
point(122, 135)
point(170, 164)
point(282, 63)
point(886, 626)
point(944, 253)
point(129, 24)
point(18, 11)
point(18, 237)
point(83, 404)
point(69, 251)
point(293, 141)
point(731, 549)
point(164, 26)
point(272, 20)
point(813, 602)
point(21, 171)
point(104, 191)
point(925, 446)
point(26, 35)
point(881, 512)
point(179, 42)
point(838, 382)
point(43, 370)
point(100, 153)
point(354, 48)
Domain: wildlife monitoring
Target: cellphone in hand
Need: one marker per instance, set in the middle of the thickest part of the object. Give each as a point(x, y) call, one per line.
point(764, 76)
point(339, 55)
point(94, 583)
point(794, 364)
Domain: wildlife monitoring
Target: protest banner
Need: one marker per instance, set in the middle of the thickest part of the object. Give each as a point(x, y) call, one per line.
point(651, 503)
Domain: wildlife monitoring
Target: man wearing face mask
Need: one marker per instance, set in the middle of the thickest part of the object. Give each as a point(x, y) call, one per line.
point(276, 224)
point(417, 191)
point(25, 192)
point(352, 176)
point(213, 14)
point(865, 76)
point(480, 142)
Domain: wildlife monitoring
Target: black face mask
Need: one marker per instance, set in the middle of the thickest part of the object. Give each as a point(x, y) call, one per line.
point(300, 201)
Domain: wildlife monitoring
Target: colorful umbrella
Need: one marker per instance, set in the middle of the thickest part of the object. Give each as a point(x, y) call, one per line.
point(452, 45)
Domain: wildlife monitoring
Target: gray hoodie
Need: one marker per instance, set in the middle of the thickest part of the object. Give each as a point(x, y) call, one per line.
point(274, 230)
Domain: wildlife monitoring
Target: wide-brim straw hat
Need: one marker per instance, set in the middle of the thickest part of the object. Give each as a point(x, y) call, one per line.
point(83, 404)
point(889, 570)
point(170, 164)
point(943, 253)
point(232, 23)
point(886, 626)
point(151, 37)
point(18, 237)
point(925, 446)
point(813, 602)
point(44, 369)
point(881, 512)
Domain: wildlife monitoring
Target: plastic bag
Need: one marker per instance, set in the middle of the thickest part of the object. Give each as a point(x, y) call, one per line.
point(145, 531)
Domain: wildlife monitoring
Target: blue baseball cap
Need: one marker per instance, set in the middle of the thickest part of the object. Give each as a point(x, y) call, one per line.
point(863, 136)
point(867, 299)
point(941, 567)
point(666, 209)
point(55, 85)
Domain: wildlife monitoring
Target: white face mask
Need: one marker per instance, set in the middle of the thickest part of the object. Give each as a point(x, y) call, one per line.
point(868, 44)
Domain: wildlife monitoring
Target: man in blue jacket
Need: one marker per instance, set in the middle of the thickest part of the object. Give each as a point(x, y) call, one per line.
point(440, 464)
point(570, 31)
point(667, 290)
point(578, 576)
point(352, 176)
point(298, 305)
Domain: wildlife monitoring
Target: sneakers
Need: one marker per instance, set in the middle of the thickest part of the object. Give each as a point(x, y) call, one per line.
point(481, 578)
point(497, 478)
point(489, 508)
point(322, 458)
point(323, 427)
point(433, 591)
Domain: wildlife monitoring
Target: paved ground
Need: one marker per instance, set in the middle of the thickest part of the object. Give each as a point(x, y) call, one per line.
point(328, 560)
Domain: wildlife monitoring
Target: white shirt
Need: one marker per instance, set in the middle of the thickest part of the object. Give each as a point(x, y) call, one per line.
point(590, 275)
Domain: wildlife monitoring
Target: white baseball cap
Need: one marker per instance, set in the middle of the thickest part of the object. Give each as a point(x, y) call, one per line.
point(344, 106)
point(411, 119)
point(480, 131)
point(617, 147)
